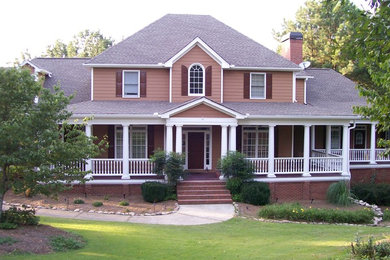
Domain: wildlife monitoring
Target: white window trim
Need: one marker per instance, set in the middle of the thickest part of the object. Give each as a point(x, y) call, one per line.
point(123, 84)
point(338, 129)
point(256, 131)
point(265, 85)
point(118, 128)
point(203, 83)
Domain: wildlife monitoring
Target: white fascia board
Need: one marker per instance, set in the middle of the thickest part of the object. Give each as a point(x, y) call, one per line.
point(125, 66)
point(369, 166)
point(197, 42)
point(207, 102)
point(232, 67)
point(304, 77)
point(301, 117)
point(303, 179)
point(36, 68)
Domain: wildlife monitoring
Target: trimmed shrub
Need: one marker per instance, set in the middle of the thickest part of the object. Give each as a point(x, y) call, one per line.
point(338, 194)
point(154, 191)
point(124, 203)
point(234, 185)
point(78, 201)
point(61, 243)
point(372, 193)
point(97, 204)
point(19, 217)
point(255, 193)
point(295, 212)
point(235, 165)
point(7, 225)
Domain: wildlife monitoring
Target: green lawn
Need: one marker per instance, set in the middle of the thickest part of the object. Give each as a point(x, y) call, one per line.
point(234, 239)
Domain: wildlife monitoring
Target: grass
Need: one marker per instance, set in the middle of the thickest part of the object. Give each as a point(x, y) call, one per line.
point(234, 239)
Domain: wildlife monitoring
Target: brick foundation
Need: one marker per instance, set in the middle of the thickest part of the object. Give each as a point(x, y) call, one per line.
point(295, 191)
point(107, 189)
point(379, 175)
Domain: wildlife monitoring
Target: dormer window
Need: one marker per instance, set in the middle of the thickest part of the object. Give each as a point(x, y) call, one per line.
point(196, 80)
point(257, 85)
point(131, 79)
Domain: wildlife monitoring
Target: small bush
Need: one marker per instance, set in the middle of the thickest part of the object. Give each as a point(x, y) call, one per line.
point(370, 249)
point(124, 203)
point(159, 158)
point(154, 191)
point(295, 212)
point(171, 196)
point(386, 215)
point(106, 197)
point(372, 193)
point(174, 168)
point(61, 243)
point(7, 241)
point(19, 217)
point(234, 185)
point(234, 164)
point(6, 225)
point(338, 194)
point(97, 204)
point(237, 198)
point(78, 201)
point(255, 193)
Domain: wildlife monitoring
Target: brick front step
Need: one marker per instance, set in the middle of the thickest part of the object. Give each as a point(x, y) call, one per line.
point(205, 201)
point(202, 183)
point(204, 196)
point(202, 192)
point(201, 187)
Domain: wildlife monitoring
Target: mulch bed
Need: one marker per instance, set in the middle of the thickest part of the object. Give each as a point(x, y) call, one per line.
point(31, 239)
point(111, 203)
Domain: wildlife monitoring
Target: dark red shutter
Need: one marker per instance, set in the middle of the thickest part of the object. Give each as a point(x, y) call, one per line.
point(142, 84)
point(111, 141)
point(238, 138)
point(208, 80)
point(269, 85)
point(119, 83)
point(184, 80)
point(150, 140)
point(246, 85)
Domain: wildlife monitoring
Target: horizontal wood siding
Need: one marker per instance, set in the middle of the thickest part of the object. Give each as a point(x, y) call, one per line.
point(159, 137)
point(300, 90)
point(157, 84)
point(201, 111)
point(284, 141)
point(216, 149)
point(233, 87)
point(100, 131)
point(195, 55)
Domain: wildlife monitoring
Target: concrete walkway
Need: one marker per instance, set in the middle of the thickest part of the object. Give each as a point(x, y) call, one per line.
point(187, 215)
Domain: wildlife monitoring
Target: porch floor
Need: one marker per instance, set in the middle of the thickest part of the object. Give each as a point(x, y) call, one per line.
point(194, 176)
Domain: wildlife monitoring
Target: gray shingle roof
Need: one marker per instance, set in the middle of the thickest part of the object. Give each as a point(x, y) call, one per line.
point(73, 77)
point(164, 38)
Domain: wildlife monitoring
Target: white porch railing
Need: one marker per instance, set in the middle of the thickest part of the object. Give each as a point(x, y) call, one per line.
point(325, 164)
point(260, 164)
point(379, 156)
point(106, 166)
point(141, 167)
point(359, 155)
point(289, 165)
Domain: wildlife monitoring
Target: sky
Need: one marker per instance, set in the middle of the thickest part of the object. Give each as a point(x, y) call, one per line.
point(32, 25)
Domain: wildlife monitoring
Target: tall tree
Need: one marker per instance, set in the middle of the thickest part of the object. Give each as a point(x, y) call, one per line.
point(84, 44)
point(33, 156)
point(326, 27)
point(372, 48)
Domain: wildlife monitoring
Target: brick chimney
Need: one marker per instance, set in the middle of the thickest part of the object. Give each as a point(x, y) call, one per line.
point(292, 47)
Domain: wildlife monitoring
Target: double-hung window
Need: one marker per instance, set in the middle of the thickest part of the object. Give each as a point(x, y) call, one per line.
point(257, 86)
point(255, 142)
point(196, 80)
point(137, 142)
point(131, 84)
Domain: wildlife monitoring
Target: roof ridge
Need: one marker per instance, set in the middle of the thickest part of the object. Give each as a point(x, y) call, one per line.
point(64, 58)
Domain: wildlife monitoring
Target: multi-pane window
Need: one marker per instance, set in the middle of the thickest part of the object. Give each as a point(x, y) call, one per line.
point(255, 142)
point(257, 85)
point(196, 80)
point(207, 148)
point(131, 83)
point(137, 142)
point(336, 137)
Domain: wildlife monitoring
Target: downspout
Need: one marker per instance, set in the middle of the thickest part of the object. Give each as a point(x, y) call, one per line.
point(294, 90)
point(170, 85)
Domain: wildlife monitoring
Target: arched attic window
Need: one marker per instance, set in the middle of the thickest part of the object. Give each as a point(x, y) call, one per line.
point(196, 80)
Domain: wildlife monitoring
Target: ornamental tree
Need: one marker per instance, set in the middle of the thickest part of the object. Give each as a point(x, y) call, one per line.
point(39, 149)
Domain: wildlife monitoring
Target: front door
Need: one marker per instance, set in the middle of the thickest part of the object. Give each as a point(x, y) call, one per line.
point(360, 139)
point(195, 150)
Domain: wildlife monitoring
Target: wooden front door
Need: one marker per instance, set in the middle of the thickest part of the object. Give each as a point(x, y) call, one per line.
point(360, 139)
point(195, 150)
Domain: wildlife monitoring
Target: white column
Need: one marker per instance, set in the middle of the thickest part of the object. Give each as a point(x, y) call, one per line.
point(328, 145)
point(373, 144)
point(179, 137)
point(223, 140)
point(169, 143)
point(313, 137)
point(271, 151)
point(125, 151)
point(345, 150)
point(306, 151)
point(232, 138)
point(88, 166)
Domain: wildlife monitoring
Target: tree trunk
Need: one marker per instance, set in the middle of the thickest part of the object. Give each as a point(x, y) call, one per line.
point(1, 204)
point(3, 186)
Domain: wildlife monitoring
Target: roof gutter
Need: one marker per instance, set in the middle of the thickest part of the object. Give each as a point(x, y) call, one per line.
point(233, 67)
point(125, 66)
point(155, 115)
point(301, 117)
